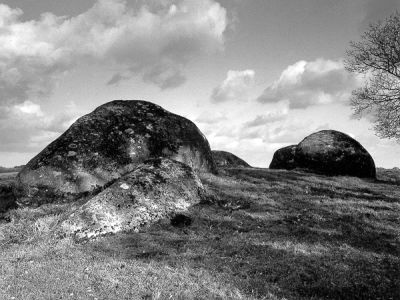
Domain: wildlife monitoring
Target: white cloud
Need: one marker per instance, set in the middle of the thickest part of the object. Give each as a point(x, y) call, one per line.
point(29, 108)
point(208, 117)
point(62, 121)
point(26, 128)
point(305, 84)
point(236, 86)
point(152, 42)
point(292, 132)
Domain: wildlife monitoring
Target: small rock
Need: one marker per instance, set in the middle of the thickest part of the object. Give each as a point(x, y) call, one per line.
point(71, 153)
point(129, 131)
point(124, 186)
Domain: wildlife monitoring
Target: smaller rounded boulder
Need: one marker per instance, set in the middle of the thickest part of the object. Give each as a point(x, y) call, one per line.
point(284, 158)
point(157, 189)
point(327, 152)
point(227, 159)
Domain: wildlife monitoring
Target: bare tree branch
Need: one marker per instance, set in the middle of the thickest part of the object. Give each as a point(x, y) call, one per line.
point(377, 56)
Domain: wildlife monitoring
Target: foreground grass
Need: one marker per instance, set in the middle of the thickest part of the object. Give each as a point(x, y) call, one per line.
point(265, 234)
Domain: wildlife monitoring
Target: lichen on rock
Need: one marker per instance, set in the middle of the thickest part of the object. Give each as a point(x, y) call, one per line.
point(102, 146)
point(157, 189)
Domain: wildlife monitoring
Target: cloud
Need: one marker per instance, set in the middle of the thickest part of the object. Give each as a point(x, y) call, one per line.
point(257, 144)
point(26, 127)
point(305, 84)
point(236, 86)
point(29, 108)
point(210, 121)
point(154, 41)
point(268, 118)
point(165, 76)
point(293, 132)
point(117, 78)
point(279, 128)
point(208, 117)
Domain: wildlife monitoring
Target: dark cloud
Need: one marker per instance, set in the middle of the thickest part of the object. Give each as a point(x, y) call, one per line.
point(117, 78)
point(165, 76)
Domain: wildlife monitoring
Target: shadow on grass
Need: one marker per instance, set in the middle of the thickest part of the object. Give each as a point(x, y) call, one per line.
point(7, 199)
point(270, 232)
point(365, 194)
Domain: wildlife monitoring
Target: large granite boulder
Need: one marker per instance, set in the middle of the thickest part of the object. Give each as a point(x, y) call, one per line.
point(227, 159)
point(328, 152)
point(102, 146)
point(157, 189)
point(284, 158)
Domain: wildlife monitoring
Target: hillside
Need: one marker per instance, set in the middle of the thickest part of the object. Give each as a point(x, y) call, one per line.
point(263, 234)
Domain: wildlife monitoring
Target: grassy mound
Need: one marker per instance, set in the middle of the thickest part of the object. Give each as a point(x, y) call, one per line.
point(264, 234)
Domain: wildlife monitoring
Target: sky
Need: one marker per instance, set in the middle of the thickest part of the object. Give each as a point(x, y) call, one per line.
point(254, 75)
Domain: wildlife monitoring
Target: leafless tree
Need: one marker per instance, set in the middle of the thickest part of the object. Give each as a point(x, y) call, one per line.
point(377, 57)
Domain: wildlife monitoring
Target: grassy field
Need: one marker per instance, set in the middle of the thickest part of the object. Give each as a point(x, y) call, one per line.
point(262, 234)
point(8, 175)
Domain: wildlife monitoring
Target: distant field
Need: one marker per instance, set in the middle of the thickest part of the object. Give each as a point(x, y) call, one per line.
point(8, 175)
point(263, 234)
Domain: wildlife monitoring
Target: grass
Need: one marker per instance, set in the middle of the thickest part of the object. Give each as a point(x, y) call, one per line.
point(8, 175)
point(7, 199)
point(263, 234)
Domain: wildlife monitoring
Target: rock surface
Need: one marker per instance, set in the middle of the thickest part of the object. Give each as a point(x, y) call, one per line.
point(284, 158)
point(157, 189)
point(104, 145)
point(327, 152)
point(227, 159)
